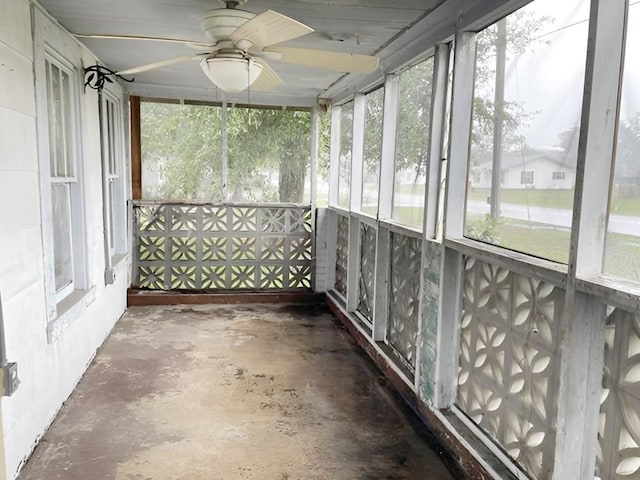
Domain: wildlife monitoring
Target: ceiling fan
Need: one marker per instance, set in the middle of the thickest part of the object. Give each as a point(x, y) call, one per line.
point(242, 42)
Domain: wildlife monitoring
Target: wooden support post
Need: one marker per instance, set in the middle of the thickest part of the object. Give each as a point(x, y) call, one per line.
point(381, 297)
point(387, 169)
point(136, 149)
point(582, 343)
point(334, 159)
point(438, 119)
point(452, 267)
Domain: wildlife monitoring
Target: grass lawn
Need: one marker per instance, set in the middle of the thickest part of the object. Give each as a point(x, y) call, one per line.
point(622, 255)
point(562, 199)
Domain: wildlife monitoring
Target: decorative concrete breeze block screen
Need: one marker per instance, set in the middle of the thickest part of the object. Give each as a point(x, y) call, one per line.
point(222, 247)
point(509, 361)
point(342, 252)
point(619, 436)
point(404, 295)
point(367, 270)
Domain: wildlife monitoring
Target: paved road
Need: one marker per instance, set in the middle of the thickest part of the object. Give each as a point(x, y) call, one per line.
point(555, 216)
point(551, 216)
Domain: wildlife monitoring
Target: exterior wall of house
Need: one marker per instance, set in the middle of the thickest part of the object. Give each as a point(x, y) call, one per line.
point(50, 360)
point(543, 169)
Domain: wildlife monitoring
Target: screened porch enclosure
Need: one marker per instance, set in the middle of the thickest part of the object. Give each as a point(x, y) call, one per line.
point(454, 220)
point(225, 197)
point(468, 211)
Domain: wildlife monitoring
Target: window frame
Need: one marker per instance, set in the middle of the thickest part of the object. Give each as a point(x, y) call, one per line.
point(113, 167)
point(67, 58)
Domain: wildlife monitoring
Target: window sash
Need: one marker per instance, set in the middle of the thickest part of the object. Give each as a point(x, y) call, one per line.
point(60, 112)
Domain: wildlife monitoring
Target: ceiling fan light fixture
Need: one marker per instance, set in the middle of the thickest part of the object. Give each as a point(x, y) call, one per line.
point(231, 74)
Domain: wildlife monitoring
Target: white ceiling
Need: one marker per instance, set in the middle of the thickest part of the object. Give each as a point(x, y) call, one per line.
point(355, 26)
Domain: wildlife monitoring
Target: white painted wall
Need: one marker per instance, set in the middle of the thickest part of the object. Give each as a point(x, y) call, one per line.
point(48, 370)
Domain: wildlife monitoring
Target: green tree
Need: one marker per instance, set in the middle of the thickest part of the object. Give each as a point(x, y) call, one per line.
point(268, 152)
point(414, 118)
point(181, 151)
point(265, 142)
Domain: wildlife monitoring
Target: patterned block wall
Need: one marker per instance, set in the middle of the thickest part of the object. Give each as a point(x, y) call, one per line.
point(367, 270)
point(404, 295)
point(342, 251)
point(509, 361)
point(222, 247)
point(619, 436)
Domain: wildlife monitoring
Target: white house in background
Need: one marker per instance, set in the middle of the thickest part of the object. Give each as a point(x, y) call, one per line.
point(539, 170)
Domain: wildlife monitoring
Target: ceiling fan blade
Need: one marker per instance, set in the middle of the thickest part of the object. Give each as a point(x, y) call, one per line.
point(161, 63)
point(270, 28)
point(340, 62)
point(268, 79)
point(147, 39)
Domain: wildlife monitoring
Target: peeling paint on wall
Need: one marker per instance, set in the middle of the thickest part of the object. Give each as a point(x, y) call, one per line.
point(431, 261)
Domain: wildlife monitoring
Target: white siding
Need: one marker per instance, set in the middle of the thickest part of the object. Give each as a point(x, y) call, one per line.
point(49, 368)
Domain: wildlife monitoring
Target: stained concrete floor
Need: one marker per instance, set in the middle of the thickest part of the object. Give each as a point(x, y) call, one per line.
point(233, 392)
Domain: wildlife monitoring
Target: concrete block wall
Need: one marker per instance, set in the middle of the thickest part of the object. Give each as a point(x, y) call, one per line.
point(48, 368)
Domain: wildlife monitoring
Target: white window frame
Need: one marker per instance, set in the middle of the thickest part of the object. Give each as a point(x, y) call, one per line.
point(51, 46)
point(113, 180)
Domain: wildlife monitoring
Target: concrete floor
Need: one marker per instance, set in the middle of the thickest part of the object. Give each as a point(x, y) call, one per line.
point(233, 392)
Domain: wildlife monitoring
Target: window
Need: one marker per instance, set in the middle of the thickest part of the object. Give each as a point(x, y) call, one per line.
point(344, 159)
point(112, 131)
point(529, 78)
point(526, 177)
point(558, 176)
point(372, 151)
point(63, 178)
point(412, 143)
point(622, 254)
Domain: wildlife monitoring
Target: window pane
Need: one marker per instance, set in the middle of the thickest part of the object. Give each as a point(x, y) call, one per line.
point(56, 129)
point(181, 152)
point(412, 143)
point(113, 205)
point(51, 115)
point(344, 166)
point(372, 151)
point(622, 256)
point(62, 235)
point(111, 138)
point(269, 153)
point(526, 120)
point(66, 111)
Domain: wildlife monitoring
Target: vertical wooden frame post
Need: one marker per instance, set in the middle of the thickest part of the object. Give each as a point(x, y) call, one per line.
point(381, 296)
point(334, 159)
point(436, 139)
point(584, 316)
point(452, 266)
point(355, 200)
point(387, 168)
point(136, 149)
point(313, 163)
point(313, 191)
point(436, 135)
